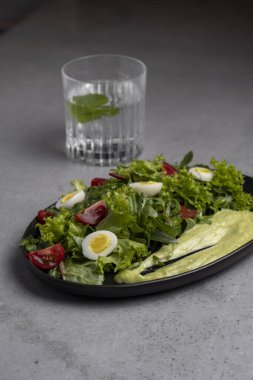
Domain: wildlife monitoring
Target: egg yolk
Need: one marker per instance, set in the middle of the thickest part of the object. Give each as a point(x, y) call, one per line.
point(100, 243)
point(202, 170)
point(146, 183)
point(68, 196)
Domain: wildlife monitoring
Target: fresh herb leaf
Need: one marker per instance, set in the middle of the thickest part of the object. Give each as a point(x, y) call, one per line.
point(90, 101)
point(163, 238)
point(85, 108)
point(186, 160)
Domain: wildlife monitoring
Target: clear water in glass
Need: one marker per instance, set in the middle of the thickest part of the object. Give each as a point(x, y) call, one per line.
point(107, 140)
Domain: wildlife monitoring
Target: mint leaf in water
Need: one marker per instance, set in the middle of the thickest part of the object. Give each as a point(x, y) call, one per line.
point(90, 107)
point(91, 100)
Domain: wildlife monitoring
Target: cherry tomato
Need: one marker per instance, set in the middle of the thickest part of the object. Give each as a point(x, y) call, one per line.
point(93, 214)
point(117, 176)
point(47, 258)
point(98, 181)
point(170, 170)
point(43, 214)
point(187, 212)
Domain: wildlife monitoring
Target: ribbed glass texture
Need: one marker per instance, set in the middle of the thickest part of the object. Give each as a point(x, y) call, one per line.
point(112, 132)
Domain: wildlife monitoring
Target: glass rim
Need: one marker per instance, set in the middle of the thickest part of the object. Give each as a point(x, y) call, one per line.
point(68, 63)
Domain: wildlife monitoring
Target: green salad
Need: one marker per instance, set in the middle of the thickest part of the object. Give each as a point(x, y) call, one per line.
point(117, 222)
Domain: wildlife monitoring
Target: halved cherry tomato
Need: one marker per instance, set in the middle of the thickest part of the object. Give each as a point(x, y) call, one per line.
point(93, 214)
point(117, 176)
point(187, 212)
point(98, 181)
point(170, 170)
point(43, 214)
point(47, 258)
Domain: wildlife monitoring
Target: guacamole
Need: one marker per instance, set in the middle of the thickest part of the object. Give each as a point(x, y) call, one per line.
point(228, 231)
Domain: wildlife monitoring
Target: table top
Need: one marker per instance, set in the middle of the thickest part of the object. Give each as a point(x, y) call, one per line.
point(199, 97)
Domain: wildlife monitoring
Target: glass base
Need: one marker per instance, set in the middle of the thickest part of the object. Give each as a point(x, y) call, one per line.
point(103, 154)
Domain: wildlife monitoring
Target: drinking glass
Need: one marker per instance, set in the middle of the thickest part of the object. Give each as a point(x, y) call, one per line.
point(104, 99)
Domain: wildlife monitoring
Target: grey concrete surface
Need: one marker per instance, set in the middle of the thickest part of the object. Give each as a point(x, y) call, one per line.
point(200, 93)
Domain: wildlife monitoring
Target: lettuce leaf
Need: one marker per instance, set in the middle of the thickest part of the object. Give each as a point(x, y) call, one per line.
point(74, 236)
point(126, 253)
point(188, 191)
point(121, 216)
point(62, 228)
point(142, 170)
point(53, 231)
point(30, 243)
point(78, 184)
point(78, 270)
point(117, 223)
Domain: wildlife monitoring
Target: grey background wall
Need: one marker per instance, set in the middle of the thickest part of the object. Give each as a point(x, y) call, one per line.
point(12, 11)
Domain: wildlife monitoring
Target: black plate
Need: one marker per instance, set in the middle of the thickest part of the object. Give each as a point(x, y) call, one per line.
point(112, 290)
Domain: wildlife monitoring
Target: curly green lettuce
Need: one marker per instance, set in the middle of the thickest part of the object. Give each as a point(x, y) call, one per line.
point(126, 254)
point(62, 228)
point(142, 170)
point(227, 188)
